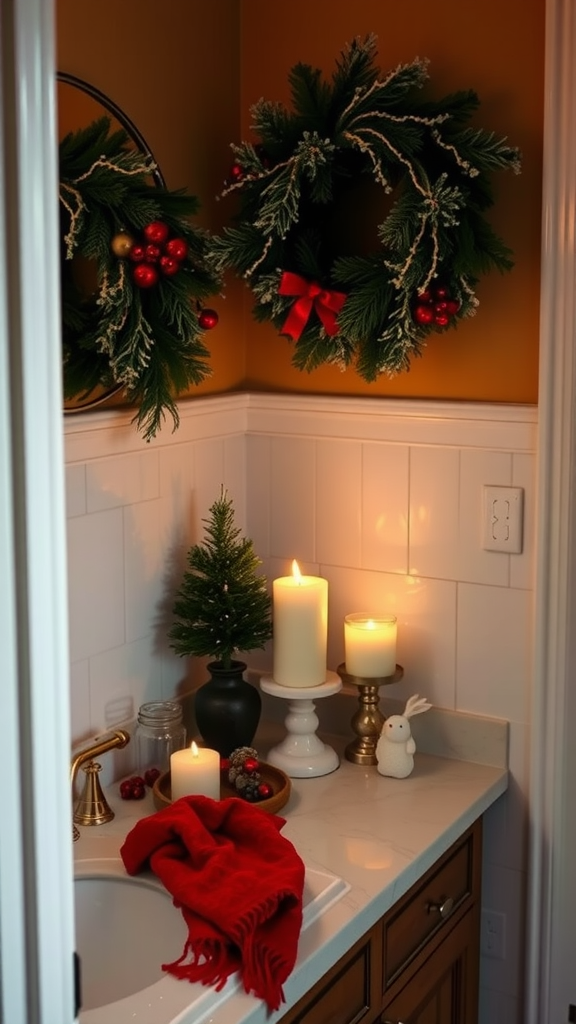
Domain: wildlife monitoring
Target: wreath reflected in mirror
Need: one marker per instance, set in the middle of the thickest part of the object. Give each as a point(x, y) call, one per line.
point(135, 275)
point(361, 227)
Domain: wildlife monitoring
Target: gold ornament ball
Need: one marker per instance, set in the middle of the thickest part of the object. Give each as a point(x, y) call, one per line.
point(121, 244)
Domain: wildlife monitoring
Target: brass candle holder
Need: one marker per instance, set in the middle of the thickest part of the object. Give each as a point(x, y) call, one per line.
point(368, 720)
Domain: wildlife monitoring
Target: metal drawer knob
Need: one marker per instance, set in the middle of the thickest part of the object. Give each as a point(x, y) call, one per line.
point(444, 909)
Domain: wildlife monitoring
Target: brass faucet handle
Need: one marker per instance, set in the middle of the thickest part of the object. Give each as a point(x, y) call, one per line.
point(92, 808)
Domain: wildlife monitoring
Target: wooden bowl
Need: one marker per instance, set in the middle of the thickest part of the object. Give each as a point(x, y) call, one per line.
point(277, 779)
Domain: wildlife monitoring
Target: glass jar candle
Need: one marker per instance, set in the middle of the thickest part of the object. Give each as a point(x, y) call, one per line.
point(370, 645)
point(159, 732)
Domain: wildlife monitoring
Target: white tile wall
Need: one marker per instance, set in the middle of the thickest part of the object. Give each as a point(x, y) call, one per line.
point(384, 504)
point(96, 582)
point(382, 498)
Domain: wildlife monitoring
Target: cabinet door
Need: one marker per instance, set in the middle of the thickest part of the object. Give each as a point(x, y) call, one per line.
point(445, 989)
point(347, 994)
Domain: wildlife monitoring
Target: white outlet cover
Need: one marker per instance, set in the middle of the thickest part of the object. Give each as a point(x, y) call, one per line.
point(503, 515)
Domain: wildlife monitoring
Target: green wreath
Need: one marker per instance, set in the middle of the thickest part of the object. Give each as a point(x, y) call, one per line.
point(134, 275)
point(373, 309)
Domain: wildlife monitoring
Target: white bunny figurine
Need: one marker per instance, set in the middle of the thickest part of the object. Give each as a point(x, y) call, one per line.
point(396, 747)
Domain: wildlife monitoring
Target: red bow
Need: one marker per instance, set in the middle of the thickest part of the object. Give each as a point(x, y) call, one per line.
point(327, 304)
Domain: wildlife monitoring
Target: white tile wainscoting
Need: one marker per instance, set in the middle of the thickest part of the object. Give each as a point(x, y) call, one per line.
point(383, 498)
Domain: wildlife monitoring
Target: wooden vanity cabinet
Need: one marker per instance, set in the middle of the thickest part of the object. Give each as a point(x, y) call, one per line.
point(420, 963)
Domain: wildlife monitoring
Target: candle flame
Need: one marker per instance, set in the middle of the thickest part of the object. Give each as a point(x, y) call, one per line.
point(296, 572)
point(194, 749)
point(370, 624)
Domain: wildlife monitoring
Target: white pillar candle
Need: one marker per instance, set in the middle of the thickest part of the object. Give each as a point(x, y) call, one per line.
point(195, 770)
point(300, 616)
point(370, 645)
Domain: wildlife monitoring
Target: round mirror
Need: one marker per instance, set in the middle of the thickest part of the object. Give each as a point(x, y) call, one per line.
point(79, 105)
point(135, 270)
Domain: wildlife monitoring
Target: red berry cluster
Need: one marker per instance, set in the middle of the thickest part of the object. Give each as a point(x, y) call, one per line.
point(134, 788)
point(434, 306)
point(243, 770)
point(156, 254)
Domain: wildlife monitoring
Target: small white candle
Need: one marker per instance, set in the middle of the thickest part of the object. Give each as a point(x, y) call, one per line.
point(300, 615)
point(195, 770)
point(370, 645)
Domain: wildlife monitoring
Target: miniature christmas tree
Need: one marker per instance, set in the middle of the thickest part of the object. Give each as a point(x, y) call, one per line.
point(222, 606)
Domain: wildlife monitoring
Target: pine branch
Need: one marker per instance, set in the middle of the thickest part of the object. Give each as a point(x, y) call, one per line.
point(275, 127)
point(237, 247)
point(354, 71)
point(370, 296)
point(310, 95)
point(313, 348)
point(485, 151)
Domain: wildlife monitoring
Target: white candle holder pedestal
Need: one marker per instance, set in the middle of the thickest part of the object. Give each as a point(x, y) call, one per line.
point(368, 720)
point(302, 754)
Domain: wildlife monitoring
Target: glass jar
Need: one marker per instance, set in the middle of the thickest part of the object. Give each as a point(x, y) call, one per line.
point(159, 732)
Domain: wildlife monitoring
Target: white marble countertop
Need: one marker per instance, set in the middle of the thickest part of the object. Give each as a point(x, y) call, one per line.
point(378, 834)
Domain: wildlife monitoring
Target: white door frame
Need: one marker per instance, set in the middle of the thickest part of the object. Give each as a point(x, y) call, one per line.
point(550, 974)
point(36, 904)
point(36, 899)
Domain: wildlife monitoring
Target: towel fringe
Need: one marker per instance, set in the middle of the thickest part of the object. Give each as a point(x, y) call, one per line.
point(263, 972)
point(209, 963)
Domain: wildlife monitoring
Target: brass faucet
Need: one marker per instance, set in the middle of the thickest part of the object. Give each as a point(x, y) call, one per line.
point(92, 807)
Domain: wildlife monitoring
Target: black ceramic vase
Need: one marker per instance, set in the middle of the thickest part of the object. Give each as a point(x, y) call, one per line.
point(227, 708)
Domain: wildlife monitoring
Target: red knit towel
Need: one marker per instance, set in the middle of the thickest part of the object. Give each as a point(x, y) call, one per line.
point(239, 884)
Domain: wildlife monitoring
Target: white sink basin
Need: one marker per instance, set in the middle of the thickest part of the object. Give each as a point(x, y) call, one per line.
point(126, 928)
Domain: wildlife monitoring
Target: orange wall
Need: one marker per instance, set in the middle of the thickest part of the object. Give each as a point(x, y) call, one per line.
point(174, 69)
point(187, 73)
point(493, 47)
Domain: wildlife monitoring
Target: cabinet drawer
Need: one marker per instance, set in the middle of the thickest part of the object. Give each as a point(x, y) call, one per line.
point(448, 885)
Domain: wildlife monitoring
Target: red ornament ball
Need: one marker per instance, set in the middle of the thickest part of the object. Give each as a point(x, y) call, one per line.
point(251, 765)
point(424, 314)
point(207, 318)
point(156, 232)
point(452, 307)
point(264, 791)
point(152, 253)
point(177, 248)
point(145, 275)
point(236, 172)
point(137, 253)
point(224, 764)
point(169, 266)
point(441, 319)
